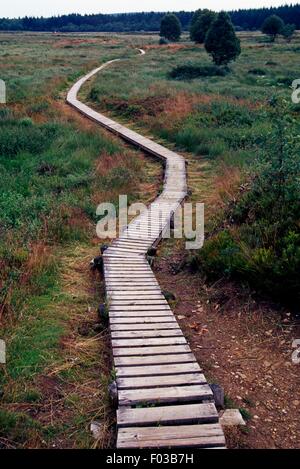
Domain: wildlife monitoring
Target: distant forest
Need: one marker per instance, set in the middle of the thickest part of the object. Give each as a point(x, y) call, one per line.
point(251, 19)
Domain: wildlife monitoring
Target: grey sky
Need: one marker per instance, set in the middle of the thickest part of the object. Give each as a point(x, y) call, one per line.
point(15, 8)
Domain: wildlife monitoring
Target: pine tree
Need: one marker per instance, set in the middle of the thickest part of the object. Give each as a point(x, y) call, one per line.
point(221, 41)
point(170, 27)
point(201, 22)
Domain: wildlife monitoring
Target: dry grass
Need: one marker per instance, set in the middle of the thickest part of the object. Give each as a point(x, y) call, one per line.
point(226, 186)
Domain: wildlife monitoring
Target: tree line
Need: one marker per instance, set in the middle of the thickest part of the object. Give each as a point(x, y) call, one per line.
point(250, 19)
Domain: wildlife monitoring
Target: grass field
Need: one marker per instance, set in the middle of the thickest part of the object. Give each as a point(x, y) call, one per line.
point(57, 167)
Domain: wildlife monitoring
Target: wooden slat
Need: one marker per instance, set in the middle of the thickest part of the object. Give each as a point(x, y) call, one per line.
point(143, 351)
point(142, 320)
point(184, 436)
point(155, 370)
point(161, 381)
point(147, 342)
point(151, 307)
point(135, 302)
point(168, 415)
point(144, 327)
point(155, 359)
point(141, 334)
point(141, 314)
point(166, 395)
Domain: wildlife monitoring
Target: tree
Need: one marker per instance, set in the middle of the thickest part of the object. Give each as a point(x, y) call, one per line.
point(272, 26)
point(170, 27)
point(288, 31)
point(221, 41)
point(201, 22)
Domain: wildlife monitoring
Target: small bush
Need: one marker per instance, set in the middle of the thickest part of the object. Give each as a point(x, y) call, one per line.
point(216, 149)
point(190, 72)
point(227, 114)
point(257, 71)
point(163, 41)
point(24, 136)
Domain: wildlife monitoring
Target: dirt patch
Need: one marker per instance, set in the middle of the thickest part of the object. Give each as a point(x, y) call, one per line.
point(245, 345)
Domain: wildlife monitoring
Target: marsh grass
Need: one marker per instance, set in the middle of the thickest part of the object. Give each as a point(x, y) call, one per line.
point(56, 167)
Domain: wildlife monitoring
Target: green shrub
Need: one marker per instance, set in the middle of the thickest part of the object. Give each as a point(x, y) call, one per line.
point(227, 114)
point(190, 72)
point(262, 246)
point(163, 41)
point(220, 256)
point(257, 71)
point(24, 136)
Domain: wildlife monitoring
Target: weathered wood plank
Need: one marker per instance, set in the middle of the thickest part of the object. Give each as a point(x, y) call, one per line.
point(184, 436)
point(141, 334)
point(155, 370)
point(143, 351)
point(136, 302)
point(151, 308)
point(140, 314)
point(161, 381)
point(168, 415)
point(144, 327)
point(142, 320)
point(166, 395)
point(155, 359)
point(147, 342)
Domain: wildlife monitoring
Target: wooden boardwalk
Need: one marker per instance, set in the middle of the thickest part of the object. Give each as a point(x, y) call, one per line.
point(164, 400)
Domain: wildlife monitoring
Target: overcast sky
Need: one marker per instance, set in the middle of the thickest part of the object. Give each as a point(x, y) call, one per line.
point(15, 8)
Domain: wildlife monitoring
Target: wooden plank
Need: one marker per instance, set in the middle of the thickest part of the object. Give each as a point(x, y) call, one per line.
point(148, 280)
point(141, 334)
point(155, 359)
point(144, 327)
point(138, 313)
point(143, 351)
point(151, 308)
point(147, 342)
point(154, 370)
point(136, 302)
point(184, 436)
point(167, 415)
point(132, 289)
point(139, 295)
point(161, 381)
point(193, 393)
point(129, 269)
point(141, 320)
point(134, 283)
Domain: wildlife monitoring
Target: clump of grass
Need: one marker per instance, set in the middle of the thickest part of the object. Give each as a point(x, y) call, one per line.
point(17, 427)
point(245, 414)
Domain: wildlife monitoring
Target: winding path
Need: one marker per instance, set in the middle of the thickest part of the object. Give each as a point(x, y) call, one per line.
point(164, 400)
